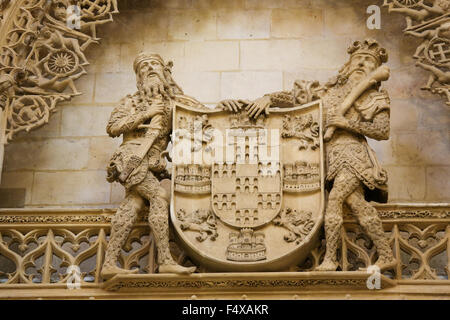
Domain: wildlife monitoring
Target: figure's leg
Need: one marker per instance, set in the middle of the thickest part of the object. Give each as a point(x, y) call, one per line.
point(368, 218)
point(158, 218)
point(77, 49)
point(344, 184)
point(121, 225)
point(420, 49)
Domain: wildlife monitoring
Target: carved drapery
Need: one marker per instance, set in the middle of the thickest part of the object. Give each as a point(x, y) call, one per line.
point(429, 21)
point(42, 54)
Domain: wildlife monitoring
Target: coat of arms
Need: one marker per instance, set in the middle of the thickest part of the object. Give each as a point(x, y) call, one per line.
point(247, 194)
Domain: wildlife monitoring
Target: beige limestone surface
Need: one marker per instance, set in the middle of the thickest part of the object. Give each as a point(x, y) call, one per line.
point(229, 49)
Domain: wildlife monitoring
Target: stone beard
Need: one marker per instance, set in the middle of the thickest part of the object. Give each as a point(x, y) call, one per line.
point(154, 84)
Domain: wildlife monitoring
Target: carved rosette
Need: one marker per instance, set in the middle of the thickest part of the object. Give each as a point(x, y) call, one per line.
point(42, 54)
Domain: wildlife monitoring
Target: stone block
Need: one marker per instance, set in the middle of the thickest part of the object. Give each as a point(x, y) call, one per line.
point(155, 25)
point(71, 188)
point(17, 181)
point(404, 114)
point(435, 146)
point(107, 58)
point(250, 84)
point(112, 87)
point(192, 25)
point(433, 115)
point(349, 21)
point(212, 56)
point(129, 52)
point(168, 50)
point(239, 24)
point(294, 23)
point(383, 150)
point(259, 4)
point(48, 154)
point(438, 184)
point(85, 121)
point(406, 183)
point(292, 55)
point(407, 149)
point(263, 4)
point(100, 151)
point(178, 4)
point(217, 4)
point(405, 83)
point(204, 86)
point(126, 28)
point(12, 197)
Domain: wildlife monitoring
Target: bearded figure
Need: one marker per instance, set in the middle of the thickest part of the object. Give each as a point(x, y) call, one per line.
point(354, 108)
point(145, 121)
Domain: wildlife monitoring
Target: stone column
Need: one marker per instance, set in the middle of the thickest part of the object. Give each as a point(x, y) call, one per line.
point(2, 139)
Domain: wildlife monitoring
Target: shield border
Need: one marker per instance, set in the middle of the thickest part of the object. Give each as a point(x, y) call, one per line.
point(294, 257)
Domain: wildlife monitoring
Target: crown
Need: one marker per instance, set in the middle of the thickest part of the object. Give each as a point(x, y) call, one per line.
point(143, 56)
point(370, 47)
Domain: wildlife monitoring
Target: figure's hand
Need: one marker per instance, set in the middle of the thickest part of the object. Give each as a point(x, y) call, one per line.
point(233, 105)
point(154, 109)
point(337, 120)
point(255, 108)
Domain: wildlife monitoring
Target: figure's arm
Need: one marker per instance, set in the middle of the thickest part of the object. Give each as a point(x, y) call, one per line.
point(377, 129)
point(423, 34)
point(123, 120)
point(433, 9)
point(281, 99)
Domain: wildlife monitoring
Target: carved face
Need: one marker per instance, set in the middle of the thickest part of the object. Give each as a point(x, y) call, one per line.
point(151, 76)
point(361, 65)
point(59, 10)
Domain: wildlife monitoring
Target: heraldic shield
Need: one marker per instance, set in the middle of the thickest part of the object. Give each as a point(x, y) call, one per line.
point(247, 194)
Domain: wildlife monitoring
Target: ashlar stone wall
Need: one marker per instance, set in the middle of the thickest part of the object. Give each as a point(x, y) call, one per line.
point(228, 49)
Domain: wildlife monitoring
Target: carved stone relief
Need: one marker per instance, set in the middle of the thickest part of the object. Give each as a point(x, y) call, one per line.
point(249, 187)
point(430, 21)
point(354, 107)
point(299, 224)
point(42, 54)
point(200, 221)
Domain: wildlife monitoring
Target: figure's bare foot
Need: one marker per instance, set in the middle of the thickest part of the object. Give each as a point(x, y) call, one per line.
point(327, 265)
point(109, 272)
point(175, 268)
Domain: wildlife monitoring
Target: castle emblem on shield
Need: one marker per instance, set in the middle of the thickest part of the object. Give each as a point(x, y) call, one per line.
point(260, 181)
